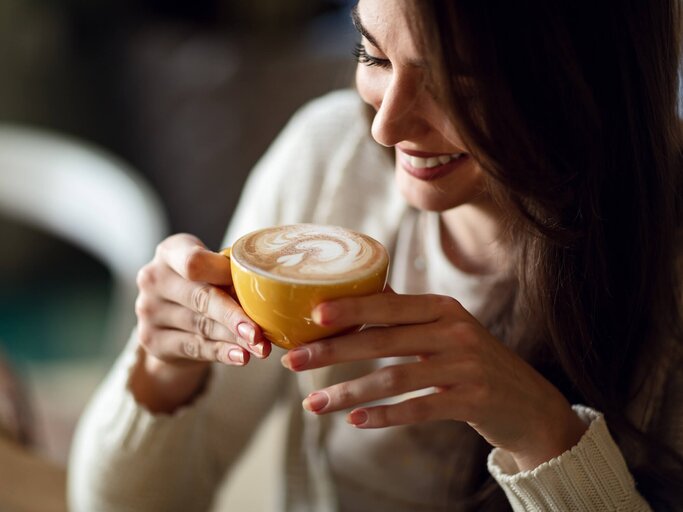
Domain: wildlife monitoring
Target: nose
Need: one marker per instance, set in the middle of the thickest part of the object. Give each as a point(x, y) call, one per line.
point(399, 114)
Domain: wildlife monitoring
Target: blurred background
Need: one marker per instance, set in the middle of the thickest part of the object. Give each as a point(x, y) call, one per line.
point(180, 99)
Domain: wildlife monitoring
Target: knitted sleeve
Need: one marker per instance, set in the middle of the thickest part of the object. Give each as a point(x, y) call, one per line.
point(590, 476)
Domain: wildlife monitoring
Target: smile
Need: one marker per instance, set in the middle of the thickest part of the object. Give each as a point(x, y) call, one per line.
point(426, 168)
point(419, 162)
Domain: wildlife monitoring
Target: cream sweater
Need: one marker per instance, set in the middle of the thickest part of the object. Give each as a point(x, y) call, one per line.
point(324, 168)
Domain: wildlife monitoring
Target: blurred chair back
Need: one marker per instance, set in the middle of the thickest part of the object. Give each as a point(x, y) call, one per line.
point(86, 196)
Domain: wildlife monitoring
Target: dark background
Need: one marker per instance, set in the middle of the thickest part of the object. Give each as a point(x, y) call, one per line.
point(189, 93)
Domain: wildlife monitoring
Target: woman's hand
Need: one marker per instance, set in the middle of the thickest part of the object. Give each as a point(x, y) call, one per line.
point(472, 376)
point(186, 320)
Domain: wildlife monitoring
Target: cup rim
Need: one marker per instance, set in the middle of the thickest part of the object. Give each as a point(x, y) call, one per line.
point(379, 270)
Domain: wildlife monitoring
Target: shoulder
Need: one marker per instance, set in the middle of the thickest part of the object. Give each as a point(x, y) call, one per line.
point(327, 119)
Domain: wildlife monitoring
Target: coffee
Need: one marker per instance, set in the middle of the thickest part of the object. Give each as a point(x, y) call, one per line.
point(281, 273)
point(310, 253)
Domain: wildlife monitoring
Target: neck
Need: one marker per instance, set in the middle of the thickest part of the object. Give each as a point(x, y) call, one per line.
point(471, 238)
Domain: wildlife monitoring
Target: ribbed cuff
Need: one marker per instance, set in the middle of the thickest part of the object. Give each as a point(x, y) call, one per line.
point(590, 476)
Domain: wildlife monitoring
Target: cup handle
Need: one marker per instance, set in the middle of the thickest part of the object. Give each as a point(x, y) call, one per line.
point(225, 252)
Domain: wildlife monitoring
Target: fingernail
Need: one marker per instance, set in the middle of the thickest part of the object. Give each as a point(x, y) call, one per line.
point(316, 401)
point(296, 359)
point(358, 417)
point(236, 355)
point(257, 348)
point(325, 314)
point(247, 332)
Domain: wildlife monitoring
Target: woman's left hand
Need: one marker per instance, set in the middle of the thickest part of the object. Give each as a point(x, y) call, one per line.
point(473, 376)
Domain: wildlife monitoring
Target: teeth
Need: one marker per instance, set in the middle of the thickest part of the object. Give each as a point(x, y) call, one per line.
point(427, 163)
point(418, 162)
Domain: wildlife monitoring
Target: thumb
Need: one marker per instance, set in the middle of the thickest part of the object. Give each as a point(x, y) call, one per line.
point(190, 258)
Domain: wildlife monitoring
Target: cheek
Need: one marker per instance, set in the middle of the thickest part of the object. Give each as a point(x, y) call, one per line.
point(369, 87)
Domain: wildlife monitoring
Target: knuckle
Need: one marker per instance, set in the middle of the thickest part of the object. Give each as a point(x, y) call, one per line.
point(323, 351)
point(199, 299)
point(377, 342)
point(146, 277)
point(481, 392)
point(192, 268)
point(394, 304)
point(146, 337)
point(461, 332)
point(393, 378)
point(232, 320)
point(165, 245)
point(446, 303)
point(159, 250)
point(219, 352)
point(191, 347)
point(143, 307)
point(203, 325)
point(344, 393)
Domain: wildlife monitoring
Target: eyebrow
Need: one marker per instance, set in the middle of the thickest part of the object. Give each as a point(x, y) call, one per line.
point(355, 17)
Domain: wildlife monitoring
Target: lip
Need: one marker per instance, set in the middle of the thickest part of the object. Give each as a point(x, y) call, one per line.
point(424, 154)
point(432, 173)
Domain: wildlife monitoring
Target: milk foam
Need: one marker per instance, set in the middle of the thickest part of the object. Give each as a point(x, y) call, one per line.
point(310, 252)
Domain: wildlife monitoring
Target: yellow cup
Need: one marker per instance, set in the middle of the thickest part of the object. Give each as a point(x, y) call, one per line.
point(282, 307)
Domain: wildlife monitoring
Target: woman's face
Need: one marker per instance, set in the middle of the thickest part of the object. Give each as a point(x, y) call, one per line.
point(434, 170)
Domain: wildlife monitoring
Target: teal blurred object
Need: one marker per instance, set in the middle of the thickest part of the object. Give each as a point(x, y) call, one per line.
point(54, 298)
point(86, 222)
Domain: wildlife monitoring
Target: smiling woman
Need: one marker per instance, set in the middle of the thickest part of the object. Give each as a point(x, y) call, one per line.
point(527, 353)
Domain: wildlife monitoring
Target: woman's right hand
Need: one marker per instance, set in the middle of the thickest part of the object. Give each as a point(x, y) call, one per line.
point(186, 320)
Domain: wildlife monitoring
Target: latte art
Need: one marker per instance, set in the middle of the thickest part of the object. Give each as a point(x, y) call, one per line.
point(310, 253)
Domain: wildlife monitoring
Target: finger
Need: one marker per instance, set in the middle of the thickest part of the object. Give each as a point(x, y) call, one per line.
point(209, 301)
point(196, 323)
point(432, 407)
point(166, 314)
point(171, 345)
point(190, 258)
point(386, 382)
point(386, 308)
point(378, 342)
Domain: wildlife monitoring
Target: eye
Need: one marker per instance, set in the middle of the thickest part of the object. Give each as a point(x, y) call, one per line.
point(363, 57)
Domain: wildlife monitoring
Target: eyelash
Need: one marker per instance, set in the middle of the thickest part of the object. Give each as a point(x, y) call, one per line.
point(362, 57)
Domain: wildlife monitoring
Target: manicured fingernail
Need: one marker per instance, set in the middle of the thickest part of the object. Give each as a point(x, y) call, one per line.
point(257, 348)
point(296, 359)
point(236, 355)
point(247, 332)
point(325, 314)
point(316, 401)
point(358, 417)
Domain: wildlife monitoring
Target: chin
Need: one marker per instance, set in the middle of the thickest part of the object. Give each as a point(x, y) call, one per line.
point(435, 196)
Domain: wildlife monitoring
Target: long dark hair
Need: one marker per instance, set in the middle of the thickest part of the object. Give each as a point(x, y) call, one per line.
point(571, 109)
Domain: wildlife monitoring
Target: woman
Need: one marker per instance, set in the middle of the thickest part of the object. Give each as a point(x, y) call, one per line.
point(538, 150)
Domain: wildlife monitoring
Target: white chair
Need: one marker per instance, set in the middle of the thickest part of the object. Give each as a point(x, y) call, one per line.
point(83, 195)
point(79, 192)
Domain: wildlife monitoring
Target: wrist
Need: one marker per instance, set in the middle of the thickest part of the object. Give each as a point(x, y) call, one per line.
point(163, 387)
point(553, 439)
